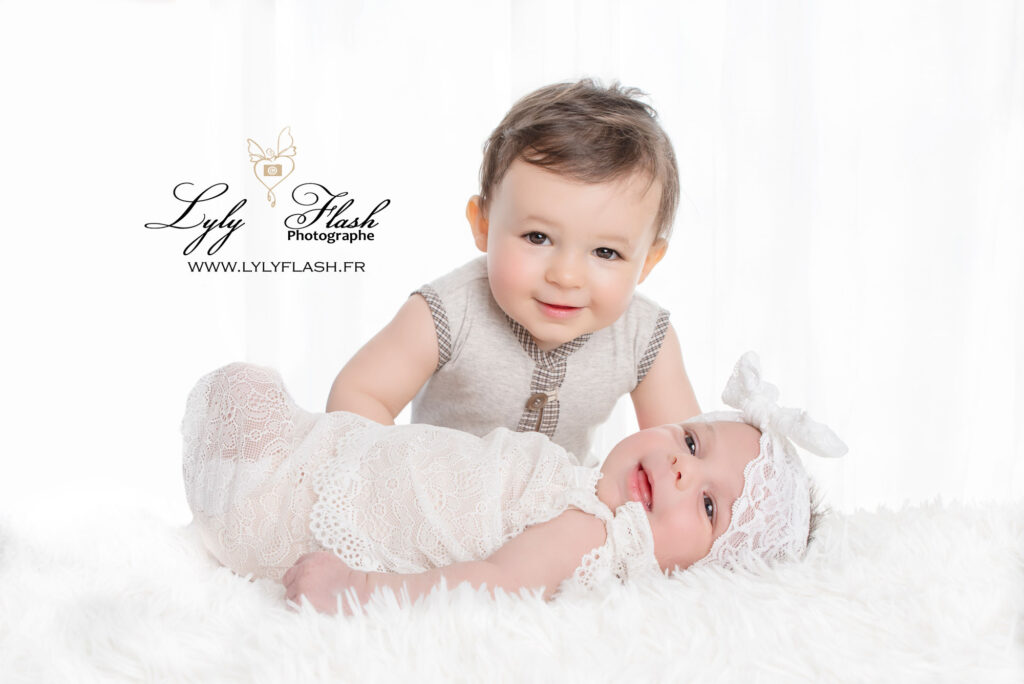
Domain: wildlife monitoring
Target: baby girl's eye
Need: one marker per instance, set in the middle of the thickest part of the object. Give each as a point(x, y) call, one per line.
point(536, 238)
point(606, 253)
point(691, 444)
point(709, 507)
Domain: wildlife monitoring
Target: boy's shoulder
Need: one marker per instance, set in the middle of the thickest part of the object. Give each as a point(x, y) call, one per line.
point(643, 306)
point(470, 272)
point(457, 300)
point(642, 328)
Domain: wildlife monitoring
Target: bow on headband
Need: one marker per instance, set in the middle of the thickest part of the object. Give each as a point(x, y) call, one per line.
point(756, 399)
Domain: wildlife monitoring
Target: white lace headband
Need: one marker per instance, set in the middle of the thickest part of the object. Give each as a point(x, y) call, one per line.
point(771, 518)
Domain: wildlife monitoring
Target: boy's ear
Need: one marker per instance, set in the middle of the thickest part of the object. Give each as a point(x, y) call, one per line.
point(654, 255)
point(477, 222)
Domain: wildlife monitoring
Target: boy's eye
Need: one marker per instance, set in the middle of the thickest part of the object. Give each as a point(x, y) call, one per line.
point(691, 445)
point(606, 253)
point(536, 238)
point(709, 507)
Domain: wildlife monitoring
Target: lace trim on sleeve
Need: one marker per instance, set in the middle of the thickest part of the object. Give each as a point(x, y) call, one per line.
point(628, 551)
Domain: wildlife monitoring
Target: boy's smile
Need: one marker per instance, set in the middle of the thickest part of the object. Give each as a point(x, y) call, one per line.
point(563, 256)
point(559, 311)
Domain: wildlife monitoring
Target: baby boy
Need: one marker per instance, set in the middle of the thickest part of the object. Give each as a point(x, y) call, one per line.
point(579, 188)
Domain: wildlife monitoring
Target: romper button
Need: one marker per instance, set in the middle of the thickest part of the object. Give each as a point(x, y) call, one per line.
point(536, 401)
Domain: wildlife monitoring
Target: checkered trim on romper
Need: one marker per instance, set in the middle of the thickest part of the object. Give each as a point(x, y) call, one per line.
point(653, 347)
point(444, 331)
point(548, 374)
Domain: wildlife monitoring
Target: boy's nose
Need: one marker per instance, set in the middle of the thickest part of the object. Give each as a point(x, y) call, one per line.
point(565, 270)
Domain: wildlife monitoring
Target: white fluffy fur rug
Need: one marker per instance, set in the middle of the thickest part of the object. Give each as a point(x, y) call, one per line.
point(931, 593)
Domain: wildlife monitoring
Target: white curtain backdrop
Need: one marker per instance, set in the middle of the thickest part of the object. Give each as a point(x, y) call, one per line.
point(853, 209)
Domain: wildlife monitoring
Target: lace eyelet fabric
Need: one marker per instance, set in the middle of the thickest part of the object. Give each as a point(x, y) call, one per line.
point(268, 481)
point(247, 477)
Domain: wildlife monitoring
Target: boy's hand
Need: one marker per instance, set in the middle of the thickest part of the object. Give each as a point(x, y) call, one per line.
point(321, 577)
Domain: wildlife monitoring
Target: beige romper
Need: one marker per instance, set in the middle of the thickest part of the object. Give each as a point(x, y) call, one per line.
point(491, 373)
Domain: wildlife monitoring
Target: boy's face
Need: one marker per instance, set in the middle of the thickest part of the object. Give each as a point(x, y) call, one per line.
point(687, 477)
point(563, 257)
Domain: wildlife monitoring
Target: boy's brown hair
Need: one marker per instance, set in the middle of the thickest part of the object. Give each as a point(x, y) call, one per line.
point(589, 133)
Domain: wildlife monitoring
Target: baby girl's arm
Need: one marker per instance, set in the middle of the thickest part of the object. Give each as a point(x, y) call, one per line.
point(391, 368)
point(665, 394)
point(542, 556)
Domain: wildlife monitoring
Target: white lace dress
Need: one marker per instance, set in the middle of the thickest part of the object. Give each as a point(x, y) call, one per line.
point(268, 481)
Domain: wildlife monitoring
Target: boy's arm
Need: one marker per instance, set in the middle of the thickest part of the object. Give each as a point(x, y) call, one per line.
point(665, 394)
point(541, 557)
point(391, 368)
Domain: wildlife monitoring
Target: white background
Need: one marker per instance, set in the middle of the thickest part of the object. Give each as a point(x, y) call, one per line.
point(852, 176)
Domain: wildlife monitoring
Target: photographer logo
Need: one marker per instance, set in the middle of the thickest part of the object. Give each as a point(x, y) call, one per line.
point(320, 216)
point(272, 167)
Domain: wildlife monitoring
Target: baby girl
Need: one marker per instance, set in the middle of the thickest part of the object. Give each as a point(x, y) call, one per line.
point(333, 502)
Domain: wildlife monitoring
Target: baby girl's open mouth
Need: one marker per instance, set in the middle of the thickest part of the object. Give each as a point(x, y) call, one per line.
point(640, 487)
point(558, 310)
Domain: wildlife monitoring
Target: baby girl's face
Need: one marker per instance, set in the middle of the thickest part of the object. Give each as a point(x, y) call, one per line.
point(687, 478)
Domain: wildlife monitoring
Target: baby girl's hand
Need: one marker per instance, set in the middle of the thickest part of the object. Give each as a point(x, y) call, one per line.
point(320, 577)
